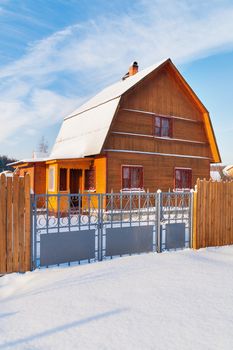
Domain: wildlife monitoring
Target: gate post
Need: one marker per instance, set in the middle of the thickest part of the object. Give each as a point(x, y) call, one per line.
point(194, 218)
point(191, 200)
point(100, 227)
point(158, 211)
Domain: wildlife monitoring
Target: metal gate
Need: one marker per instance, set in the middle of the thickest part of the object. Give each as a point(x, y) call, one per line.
point(79, 228)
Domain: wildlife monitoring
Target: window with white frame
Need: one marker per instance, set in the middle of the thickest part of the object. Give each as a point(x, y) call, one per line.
point(51, 185)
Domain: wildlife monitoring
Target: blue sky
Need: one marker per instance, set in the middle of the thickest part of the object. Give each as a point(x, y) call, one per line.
point(55, 54)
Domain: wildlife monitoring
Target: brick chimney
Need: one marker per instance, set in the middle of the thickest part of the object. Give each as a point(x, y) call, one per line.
point(133, 69)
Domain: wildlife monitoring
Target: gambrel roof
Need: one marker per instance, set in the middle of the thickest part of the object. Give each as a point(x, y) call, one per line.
point(84, 131)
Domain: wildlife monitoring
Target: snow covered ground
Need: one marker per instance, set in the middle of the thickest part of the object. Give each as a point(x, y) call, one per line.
point(174, 300)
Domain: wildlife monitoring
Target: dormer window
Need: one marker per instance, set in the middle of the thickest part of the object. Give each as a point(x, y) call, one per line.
point(163, 127)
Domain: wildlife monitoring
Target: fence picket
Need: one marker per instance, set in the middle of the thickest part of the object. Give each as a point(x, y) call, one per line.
point(213, 214)
point(27, 223)
point(3, 239)
point(16, 223)
point(21, 225)
point(9, 226)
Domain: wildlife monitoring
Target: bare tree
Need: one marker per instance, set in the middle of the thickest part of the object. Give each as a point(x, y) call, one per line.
point(43, 145)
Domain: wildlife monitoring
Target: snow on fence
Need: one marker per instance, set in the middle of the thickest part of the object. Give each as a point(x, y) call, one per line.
point(15, 235)
point(213, 214)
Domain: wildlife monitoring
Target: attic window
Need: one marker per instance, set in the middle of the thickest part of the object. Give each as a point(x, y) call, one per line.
point(163, 127)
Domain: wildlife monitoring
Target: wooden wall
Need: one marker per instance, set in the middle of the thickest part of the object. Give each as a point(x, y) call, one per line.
point(100, 168)
point(213, 214)
point(161, 94)
point(158, 171)
point(37, 174)
point(15, 225)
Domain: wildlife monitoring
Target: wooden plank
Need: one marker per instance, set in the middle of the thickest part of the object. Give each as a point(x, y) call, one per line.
point(198, 237)
point(214, 207)
point(16, 223)
point(194, 233)
point(27, 223)
point(3, 239)
point(206, 217)
point(219, 214)
point(231, 212)
point(204, 214)
point(9, 226)
point(21, 225)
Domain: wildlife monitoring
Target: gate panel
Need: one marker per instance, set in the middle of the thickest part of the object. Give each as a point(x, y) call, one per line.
point(58, 248)
point(175, 236)
point(129, 223)
point(175, 220)
point(78, 227)
point(129, 240)
point(66, 228)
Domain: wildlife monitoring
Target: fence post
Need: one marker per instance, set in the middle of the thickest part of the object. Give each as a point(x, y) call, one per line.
point(3, 232)
point(158, 211)
point(100, 227)
point(9, 226)
point(27, 243)
point(191, 218)
point(194, 218)
point(21, 225)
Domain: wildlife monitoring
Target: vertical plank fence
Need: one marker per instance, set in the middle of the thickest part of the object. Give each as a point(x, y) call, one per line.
point(15, 226)
point(213, 214)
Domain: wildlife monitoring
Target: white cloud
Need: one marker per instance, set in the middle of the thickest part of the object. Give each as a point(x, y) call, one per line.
point(56, 73)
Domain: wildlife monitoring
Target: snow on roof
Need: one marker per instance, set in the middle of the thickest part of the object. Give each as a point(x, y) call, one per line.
point(115, 90)
point(83, 132)
point(84, 135)
point(227, 170)
point(28, 160)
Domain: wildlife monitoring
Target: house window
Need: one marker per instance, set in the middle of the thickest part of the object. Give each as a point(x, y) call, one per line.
point(63, 179)
point(51, 179)
point(132, 177)
point(90, 181)
point(183, 179)
point(163, 127)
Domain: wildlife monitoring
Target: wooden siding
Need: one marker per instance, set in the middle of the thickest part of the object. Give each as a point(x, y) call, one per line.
point(142, 123)
point(160, 94)
point(156, 145)
point(213, 214)
point(15, 224)
point(37, 172)
point(158, 170)
point(40, 179)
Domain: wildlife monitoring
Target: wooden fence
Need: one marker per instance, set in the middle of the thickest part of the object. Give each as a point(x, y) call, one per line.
point(212, 219)
point(15, 236)
point(213, 214)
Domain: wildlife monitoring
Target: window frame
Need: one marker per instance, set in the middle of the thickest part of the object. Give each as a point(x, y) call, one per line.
point(94, 187)
point(132, 189)
point(51, 178)
point(170, 126)
point(190, 178)
point(66, 180)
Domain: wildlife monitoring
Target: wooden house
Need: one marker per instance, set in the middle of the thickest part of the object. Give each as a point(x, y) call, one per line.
point(147, 131)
